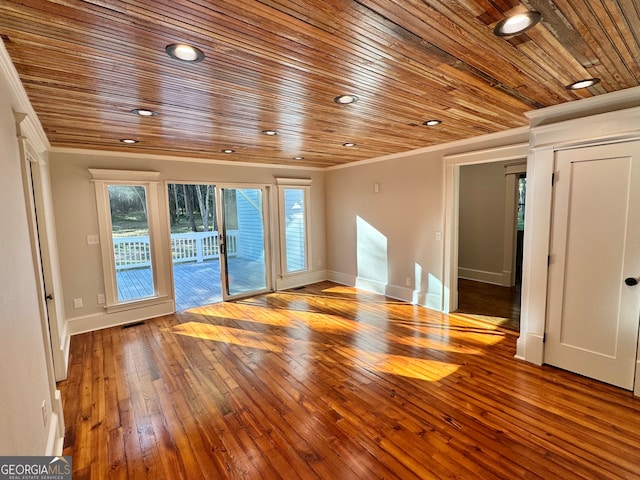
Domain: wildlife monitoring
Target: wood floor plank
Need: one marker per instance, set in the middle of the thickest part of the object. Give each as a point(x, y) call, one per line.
point(328, 382)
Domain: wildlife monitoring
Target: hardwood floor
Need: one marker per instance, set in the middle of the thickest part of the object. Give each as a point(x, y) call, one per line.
point(490, 303)
point(333, 383)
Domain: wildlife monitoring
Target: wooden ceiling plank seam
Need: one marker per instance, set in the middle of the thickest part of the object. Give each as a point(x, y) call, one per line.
point(433, 46)
point(485, 55)
point(176, 87)
point(576, 12)
point(626, 42)
point(614, 49)
point(276, 61)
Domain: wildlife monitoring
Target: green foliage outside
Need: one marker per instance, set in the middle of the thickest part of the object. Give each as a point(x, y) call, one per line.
point(186, 206)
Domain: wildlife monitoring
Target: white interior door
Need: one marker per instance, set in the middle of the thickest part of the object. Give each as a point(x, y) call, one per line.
point(593, 314)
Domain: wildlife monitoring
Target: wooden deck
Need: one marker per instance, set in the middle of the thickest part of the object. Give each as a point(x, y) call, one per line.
point(195, 284)
point(327, 382)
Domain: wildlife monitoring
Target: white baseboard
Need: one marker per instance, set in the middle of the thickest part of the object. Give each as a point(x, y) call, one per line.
point(534, 348)
point(494, 278)
point(371, 285)
point(301, 279)
point(98, 321)
point(432, 301)
point(341, 278)
point(55, 439)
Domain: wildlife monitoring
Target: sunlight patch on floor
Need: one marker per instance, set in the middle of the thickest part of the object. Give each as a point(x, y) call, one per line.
point(380, 362)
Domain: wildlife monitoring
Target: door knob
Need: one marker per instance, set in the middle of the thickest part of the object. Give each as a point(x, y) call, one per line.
point(630, 281)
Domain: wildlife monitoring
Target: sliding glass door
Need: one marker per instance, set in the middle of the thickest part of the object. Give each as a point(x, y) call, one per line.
point(218, 243)
point(244, 253)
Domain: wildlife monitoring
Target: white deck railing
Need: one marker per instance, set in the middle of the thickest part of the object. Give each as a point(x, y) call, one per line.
point(134, 252)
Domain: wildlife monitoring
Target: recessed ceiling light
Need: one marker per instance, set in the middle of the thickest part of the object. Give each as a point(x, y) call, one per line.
point(432, 123)
point(144, 112)
point(349, 144)
point(586, 83)
point(298, 158)
point(269, 133)
point(345, 99)
point(184, 52)
point(228, 151)
point(517, 24)
point(129, 141)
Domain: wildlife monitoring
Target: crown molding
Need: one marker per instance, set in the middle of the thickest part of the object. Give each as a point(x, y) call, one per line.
point(172, 158)
point(457, 147)
point(608, 102)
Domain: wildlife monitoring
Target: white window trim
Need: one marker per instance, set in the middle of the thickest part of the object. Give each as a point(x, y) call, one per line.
point(304, 184)
point(150, 180)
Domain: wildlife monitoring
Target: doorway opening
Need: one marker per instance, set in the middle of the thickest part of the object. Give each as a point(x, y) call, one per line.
point(489, 288)
point(491, 227)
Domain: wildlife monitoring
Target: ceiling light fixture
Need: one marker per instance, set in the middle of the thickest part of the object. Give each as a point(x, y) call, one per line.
point(432, 123)
point(345, 99)
point(144, 112)
point(228, 151)
point(586, 83)
point(184, 52)
point(298, 158)
point(349, 144)
point(129, 141)
point(516, 24)
point(269, 133)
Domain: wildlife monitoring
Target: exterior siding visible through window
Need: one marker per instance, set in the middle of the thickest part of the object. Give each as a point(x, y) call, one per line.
point(295, 229)
point(250, 225)
point(295, 234)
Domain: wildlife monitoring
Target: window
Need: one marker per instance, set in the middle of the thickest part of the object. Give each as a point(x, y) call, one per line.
point(294, 224)
point(131, 242)
point(128, 224)
point(522, 194)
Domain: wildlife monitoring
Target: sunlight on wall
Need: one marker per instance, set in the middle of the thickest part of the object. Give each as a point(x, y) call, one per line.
point(434, 287)
point(371, 257)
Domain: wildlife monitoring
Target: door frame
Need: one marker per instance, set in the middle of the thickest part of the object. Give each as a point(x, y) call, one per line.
point(268, 216)
point(37, 195)
point(452, 165)
point(55, 336)
point(598, 120)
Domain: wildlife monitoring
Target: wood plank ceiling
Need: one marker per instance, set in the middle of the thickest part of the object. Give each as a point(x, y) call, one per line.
point(278, 64)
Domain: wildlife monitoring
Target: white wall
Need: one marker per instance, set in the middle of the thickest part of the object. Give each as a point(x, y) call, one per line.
point(384, 240)
point(482, 222)
point(76, 217)
point(24, 375)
